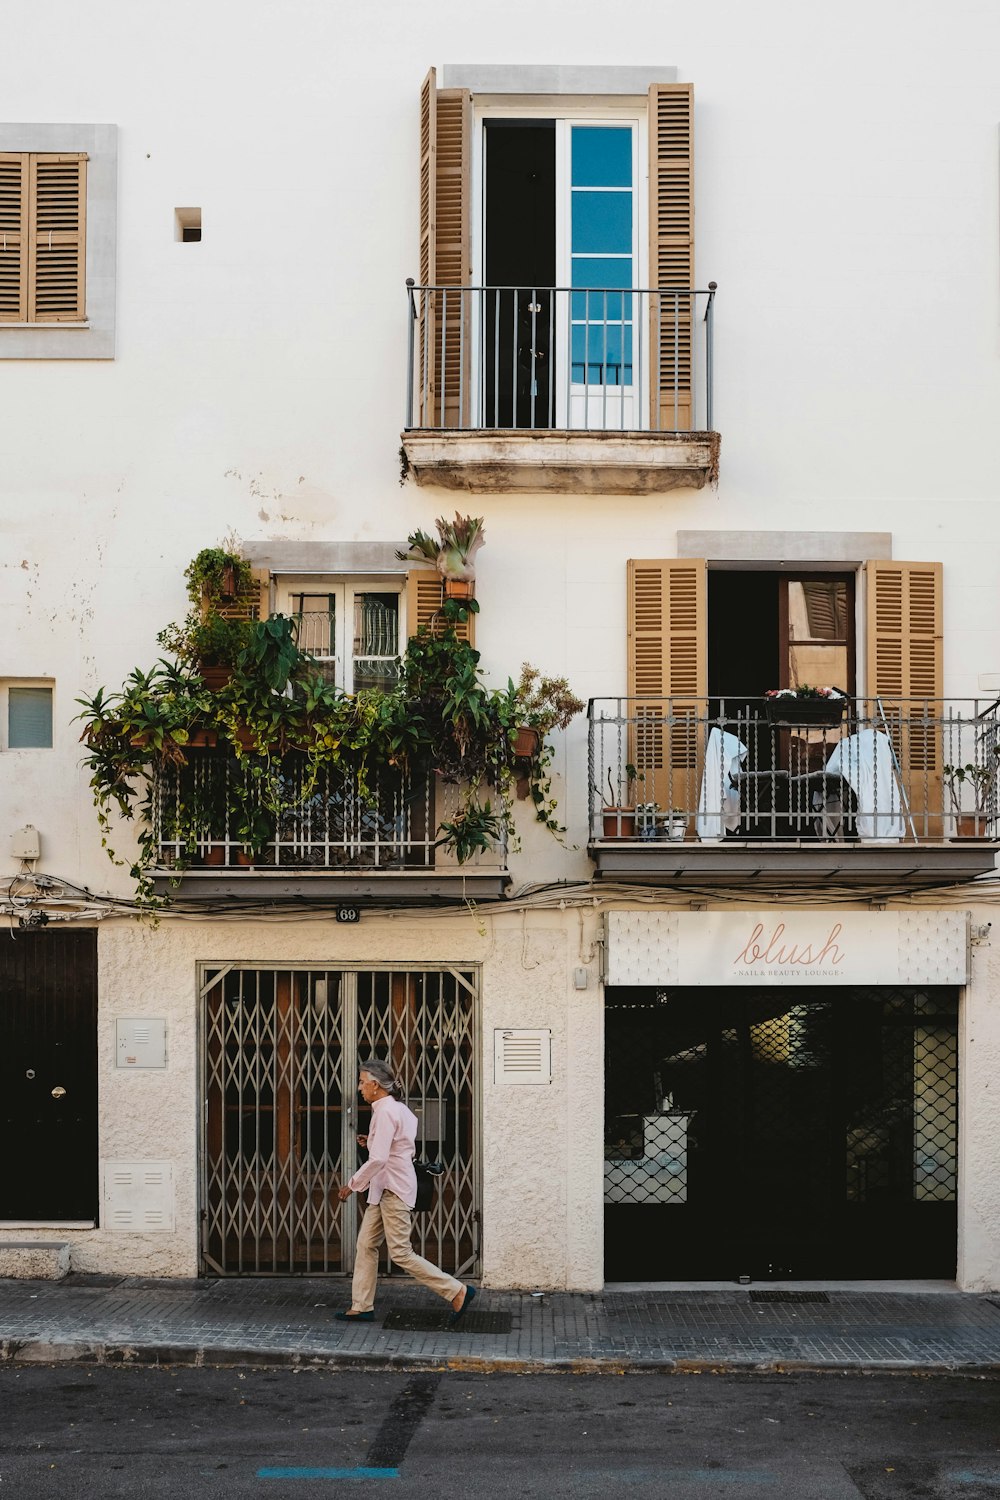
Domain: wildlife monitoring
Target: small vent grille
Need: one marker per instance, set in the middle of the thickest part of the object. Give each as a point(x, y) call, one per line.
point(522, 1056)
point(776, 1296)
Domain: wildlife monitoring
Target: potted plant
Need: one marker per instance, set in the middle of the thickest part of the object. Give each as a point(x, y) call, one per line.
point(453, 554)
point(674, 824)
point(208, 638)
point(971, 782)
point(539, 705)
point(619, 818)
point(804, 705)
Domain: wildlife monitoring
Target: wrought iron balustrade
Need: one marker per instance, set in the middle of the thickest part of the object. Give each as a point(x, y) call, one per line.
point(325, 824)
point(564, 358)
point(911, 770)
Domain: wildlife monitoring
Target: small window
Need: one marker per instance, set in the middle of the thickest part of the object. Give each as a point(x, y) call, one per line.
point(187, 225)
point(29, 718)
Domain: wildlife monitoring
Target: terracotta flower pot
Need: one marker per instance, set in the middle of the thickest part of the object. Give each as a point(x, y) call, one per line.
point(215, 678)
point(619, 822)
point(215, 854)
point(527, 743)
point(971, 826)
point(459, 588)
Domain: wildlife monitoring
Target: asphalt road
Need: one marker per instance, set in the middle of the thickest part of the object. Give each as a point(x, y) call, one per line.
point(94, 1434)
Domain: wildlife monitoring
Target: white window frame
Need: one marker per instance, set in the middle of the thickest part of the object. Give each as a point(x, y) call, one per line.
point(6, 683)
point(566, 112)
point(94, 338)
point(343, 588)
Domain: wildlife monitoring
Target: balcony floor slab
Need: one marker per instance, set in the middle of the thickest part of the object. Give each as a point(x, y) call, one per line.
point(498, 461)
point(734, 862)
point(326, 887)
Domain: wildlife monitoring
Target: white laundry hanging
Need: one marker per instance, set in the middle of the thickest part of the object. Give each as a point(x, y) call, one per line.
point(719, 799)
point(865, 760)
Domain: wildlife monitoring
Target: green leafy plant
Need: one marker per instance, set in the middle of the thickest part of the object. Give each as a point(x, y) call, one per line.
point(281, 730)
point(979, 779)
point(454, 551)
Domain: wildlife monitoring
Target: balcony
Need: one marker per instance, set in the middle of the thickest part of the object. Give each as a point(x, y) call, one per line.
point(593, 390)
point(327, 841)
point(717, 792)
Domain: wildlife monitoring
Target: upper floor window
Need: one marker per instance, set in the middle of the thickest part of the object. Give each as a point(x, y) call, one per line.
point(43, 226)
point(58, 193)
point(561, 286)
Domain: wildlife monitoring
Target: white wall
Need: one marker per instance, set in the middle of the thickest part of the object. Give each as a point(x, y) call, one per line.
point(846, 204)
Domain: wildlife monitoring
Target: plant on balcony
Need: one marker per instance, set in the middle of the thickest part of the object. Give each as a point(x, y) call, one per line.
point(971, 783)
point(206, 637)
point(283, 726)
point(453, 553)
point(805, 705)
point(538, 705)
point(619, 817)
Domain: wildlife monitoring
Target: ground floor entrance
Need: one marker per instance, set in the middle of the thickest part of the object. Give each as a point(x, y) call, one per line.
point(780, 1132)
point(48, 1075)
point(280, 1055)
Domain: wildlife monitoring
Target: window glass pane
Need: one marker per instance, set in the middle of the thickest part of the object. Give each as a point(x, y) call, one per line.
point(817, 610)
point(602, 156)
point(813, 665)
point(602, 222)
point(316, 620)
point(29, 718)
point(600, 349)
point(376, 640)
point(598, 304)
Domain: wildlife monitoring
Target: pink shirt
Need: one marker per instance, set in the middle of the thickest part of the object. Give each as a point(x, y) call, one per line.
point(391, 1140)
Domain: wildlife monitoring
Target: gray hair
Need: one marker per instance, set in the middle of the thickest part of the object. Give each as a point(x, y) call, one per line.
point(383, 1075)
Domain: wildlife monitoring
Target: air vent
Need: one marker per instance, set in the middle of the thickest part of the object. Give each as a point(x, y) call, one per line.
point(522, 1056)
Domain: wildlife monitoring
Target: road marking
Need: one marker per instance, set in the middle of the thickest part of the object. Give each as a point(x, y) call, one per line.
point(975, 1476)
point(390, 1442)
point(401, 1421)
point(358, 1473)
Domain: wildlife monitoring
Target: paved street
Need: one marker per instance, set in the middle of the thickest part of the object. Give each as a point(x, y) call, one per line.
point(100, 1433)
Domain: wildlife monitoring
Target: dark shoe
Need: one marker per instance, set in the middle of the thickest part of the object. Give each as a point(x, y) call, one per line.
point(349, 1317)
point(457, 1317)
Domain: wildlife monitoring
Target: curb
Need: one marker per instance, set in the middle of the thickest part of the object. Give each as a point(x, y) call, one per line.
point(40, 1352)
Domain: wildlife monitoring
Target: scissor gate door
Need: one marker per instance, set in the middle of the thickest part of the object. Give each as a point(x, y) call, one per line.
point(281, 1050)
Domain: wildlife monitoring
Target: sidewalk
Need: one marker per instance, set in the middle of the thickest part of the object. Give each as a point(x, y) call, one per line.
point(290, 1321)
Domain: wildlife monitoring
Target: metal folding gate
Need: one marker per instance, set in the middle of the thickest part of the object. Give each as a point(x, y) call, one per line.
point(280, 1056)
point(781, 1132)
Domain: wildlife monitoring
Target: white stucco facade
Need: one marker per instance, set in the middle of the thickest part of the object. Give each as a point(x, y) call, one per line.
point(846, 191)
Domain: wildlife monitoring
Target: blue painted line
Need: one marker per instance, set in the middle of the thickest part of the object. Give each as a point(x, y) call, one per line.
point(974, 1476)
point(358, 1473)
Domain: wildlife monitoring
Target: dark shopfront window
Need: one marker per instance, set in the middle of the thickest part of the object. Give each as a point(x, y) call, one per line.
point(782, 1133)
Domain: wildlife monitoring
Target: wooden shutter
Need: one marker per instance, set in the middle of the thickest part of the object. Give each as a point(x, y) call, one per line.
point(13, 237)
point(253, 602)
point(671, 252)
point(57, 210)
point(667, 676)
point(424, 597)
point(905, 662)
point(445, 255)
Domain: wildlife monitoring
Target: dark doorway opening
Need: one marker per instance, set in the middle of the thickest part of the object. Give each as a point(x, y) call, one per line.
point(48, 1075)
point(520, 264)
point(780, 1133)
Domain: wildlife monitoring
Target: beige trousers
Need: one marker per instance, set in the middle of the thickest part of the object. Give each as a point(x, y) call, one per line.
point(388, 1222)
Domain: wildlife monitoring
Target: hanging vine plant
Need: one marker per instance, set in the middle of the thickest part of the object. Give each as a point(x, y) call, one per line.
point(277, 711)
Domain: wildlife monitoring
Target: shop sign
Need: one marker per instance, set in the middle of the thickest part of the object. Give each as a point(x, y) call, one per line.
point(788, 947)
point(797, 945)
